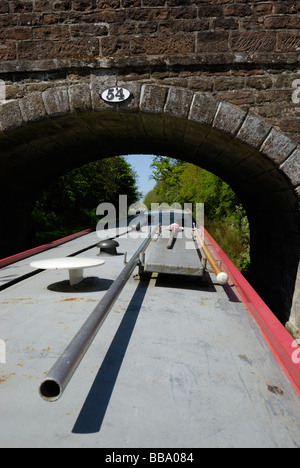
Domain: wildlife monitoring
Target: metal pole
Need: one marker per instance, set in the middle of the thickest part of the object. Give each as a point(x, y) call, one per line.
point(55, 382)
point(222, 277)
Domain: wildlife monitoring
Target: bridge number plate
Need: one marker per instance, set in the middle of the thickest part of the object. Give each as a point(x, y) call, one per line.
point(115, 94)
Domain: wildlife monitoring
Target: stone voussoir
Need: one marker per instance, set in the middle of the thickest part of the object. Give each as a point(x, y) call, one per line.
point(278, 146)
point(32, 107)
point(56, 101)
point(10, 115)
point(229, 118)
point(178, 102)
point(254, 131)
point(291, 167)
point(80, 97)
point(153, 98)
point(203, 109)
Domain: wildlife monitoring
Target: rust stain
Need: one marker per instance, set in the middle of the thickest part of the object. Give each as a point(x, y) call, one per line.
point(17, 300)
point(71, 299)
point(74, 299)
point(45, 351)
point(4, 378)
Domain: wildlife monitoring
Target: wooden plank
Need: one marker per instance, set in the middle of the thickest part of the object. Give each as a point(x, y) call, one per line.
point(182, 258)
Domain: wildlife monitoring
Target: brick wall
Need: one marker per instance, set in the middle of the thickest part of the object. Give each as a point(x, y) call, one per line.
point(35, 30)
point(242, 52)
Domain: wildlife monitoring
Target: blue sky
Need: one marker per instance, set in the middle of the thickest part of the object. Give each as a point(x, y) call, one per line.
point(141, 164)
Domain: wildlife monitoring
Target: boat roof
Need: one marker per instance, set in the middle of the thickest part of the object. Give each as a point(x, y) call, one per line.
point(178, 363)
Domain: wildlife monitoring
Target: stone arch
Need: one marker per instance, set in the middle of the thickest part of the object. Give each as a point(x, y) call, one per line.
point(48, 133)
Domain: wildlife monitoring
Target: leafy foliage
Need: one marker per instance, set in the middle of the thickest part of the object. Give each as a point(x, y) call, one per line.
point(225, 217)
point(71, 201)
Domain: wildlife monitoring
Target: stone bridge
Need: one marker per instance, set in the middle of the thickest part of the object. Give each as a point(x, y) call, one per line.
point(215, 83)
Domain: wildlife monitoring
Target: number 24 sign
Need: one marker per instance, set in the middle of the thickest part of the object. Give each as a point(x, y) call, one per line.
point(115, 94)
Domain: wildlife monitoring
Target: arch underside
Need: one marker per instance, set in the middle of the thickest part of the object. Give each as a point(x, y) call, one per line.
point(239, 148)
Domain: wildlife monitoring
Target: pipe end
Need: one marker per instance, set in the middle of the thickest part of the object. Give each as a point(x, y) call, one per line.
point(50, 390)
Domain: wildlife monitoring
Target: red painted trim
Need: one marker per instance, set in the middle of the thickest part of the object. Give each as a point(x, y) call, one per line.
point(282, 344)
point(42, 248)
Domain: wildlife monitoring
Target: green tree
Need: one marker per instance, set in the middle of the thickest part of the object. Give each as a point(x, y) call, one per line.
point(200, 186)
point(152, 197)
point(225, 217)
point(167, 173)
point(71, 201)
